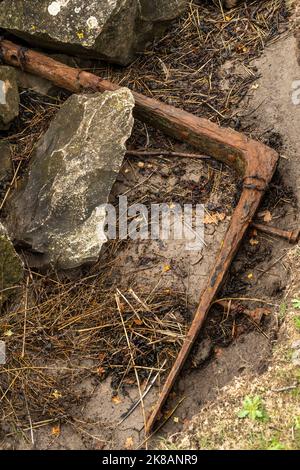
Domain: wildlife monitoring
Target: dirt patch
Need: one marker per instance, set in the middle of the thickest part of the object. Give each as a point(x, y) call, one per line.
point(273, 109)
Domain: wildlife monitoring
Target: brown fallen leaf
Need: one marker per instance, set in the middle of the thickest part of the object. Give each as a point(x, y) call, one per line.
point(101, 370)
point(129, 443)
point(258, 313)
point(116, 400)
point(55, 431)
point(266, 216)
point(214, 218)
point(56, 394)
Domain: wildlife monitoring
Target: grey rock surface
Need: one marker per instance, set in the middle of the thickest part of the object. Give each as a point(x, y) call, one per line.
point(111, 29)
point(11, 266)
point(296, 344)
point(57, 212)
point(9, 96)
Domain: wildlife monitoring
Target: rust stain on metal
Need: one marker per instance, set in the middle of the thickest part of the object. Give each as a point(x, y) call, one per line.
point(252, 160)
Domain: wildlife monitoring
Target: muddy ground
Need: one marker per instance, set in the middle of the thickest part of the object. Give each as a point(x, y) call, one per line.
point(230, 345)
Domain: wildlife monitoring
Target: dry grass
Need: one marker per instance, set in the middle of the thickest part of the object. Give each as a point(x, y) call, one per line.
point(62, 331)
point(185, 67)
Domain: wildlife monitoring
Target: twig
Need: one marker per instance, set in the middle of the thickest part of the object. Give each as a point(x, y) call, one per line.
point(158, 153)
point(284, 389)
point(136, 404)
point(25, 316)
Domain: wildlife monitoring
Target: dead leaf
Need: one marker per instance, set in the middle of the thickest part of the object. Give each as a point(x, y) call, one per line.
point(56, 394)
point(266, 216)
point(116, 400)
point(101, 370)
point(258, 313)
point(138, 322)
point(129, 443)
point(214, 218)
point(8, 333)
point(55, 431)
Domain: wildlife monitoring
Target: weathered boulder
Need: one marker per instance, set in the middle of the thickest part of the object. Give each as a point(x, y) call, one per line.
point(111, 29)
point(57, 212)
point(11, 266)
point(5, 163)
point(9, 96)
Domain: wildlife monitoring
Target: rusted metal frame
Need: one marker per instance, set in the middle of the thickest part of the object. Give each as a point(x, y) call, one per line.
point(252, 160)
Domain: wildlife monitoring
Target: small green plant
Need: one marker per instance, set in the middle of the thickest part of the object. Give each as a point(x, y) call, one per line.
point(275, 445)
point(253, 409)
point(297, 322)
point(282, 310)
point(296, 303)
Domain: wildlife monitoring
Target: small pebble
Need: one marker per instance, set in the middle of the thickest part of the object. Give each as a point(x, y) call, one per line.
point(296, 344)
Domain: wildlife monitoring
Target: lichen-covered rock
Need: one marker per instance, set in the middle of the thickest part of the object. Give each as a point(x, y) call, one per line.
point(9, 96)
point(11, 266)
point(57, 212)
point(110, 29)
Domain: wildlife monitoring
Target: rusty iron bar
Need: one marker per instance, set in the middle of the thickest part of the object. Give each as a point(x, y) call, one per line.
point(253, 161)
point(292, 236)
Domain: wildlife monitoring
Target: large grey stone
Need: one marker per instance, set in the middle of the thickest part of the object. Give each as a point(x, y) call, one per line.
point(57, 212)
point(9, 96)
point(11, 266)
point(110, 29)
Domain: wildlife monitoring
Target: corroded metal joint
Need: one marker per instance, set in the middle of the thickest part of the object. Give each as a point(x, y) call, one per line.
point(256, 183)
